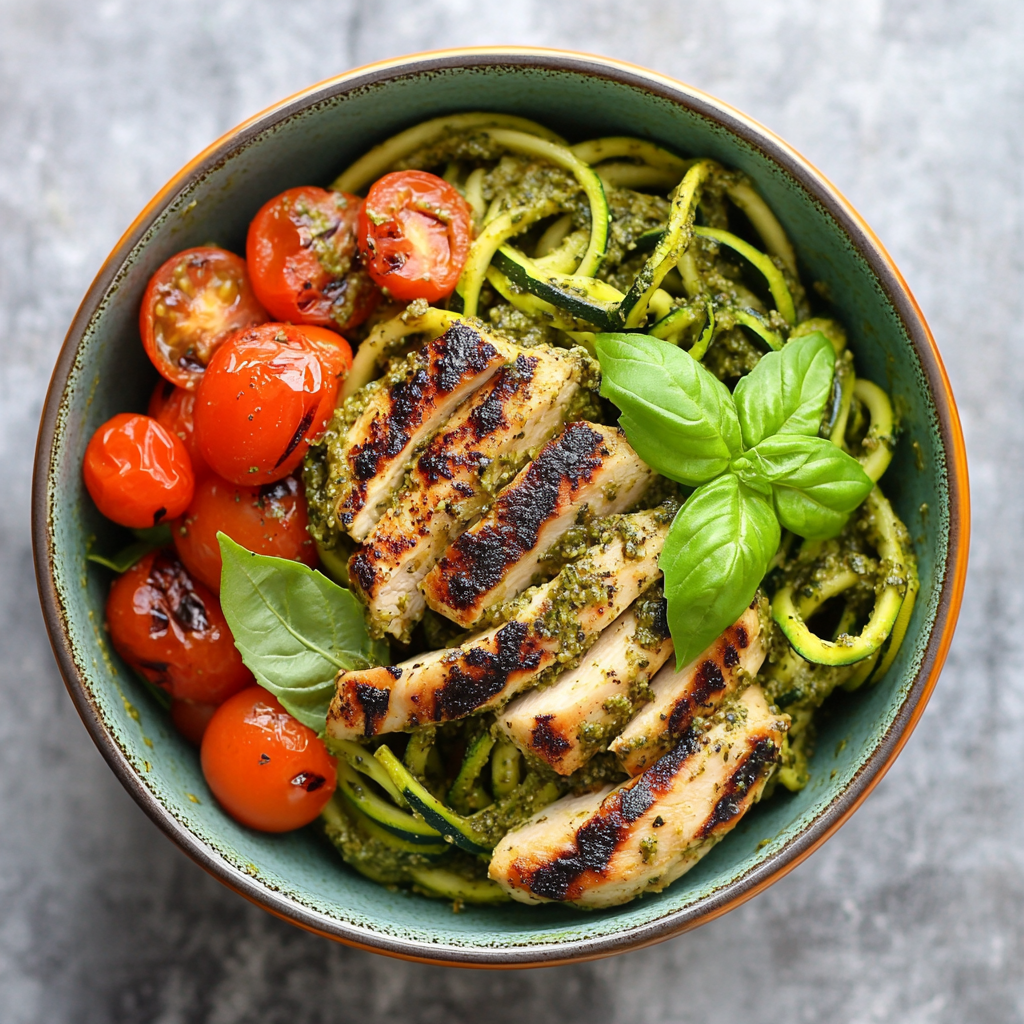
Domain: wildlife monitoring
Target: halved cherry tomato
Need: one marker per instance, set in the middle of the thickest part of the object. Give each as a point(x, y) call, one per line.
point(193, 302)
point(304, 260)
point(414, 235)
point(334, 351)
point(270, 520)
point(174, 408)
point(138, 473)
point(191, 718)
point(171, 629)
point(263, 398)
point(267, 770)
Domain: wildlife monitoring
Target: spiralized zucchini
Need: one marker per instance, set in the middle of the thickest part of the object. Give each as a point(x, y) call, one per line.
point(617, 234)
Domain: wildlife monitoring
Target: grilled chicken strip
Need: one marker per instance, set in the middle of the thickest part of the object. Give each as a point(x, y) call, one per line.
point(605, 848)
point(586, 465)
point(734, 658)
point(405, 407)
point(568, 722)
point(554, 623)
point(519, 409)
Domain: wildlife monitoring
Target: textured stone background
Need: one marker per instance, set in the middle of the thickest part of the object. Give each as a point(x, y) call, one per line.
point(915, 911)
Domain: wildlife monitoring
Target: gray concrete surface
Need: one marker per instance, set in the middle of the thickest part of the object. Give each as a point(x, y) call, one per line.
point(914, 913)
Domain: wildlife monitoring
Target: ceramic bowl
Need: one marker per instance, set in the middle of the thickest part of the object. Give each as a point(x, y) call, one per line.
point(308, 139)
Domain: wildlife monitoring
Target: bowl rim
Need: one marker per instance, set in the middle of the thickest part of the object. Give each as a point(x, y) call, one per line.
point(828, 821)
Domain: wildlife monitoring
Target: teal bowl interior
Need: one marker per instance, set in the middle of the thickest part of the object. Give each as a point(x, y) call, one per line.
point(103, 370)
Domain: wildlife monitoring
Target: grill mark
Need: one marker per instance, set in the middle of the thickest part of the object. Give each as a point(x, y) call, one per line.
point(598, 839)
point(360, 568)
point(477, 562)
point(374, 703)
point(730, 657)
point(707, 681)
point(478, 675)
point(548, 741)
point(730, 806)
point(741, 637)
point(300, 432)
point(458, 354)
point(175, 596)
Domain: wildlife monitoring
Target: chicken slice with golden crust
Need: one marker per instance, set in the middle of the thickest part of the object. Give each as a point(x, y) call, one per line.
point(587, 465)
point(404, 408)
point(552, 624)
point(569, 721)
point(724, 667)
point(603, 849)
point(518, 410)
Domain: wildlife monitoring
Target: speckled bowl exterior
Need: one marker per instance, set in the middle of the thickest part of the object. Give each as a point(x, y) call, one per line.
point(308, 139)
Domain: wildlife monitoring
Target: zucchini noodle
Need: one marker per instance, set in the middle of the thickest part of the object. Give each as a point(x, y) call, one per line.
point(611, 234)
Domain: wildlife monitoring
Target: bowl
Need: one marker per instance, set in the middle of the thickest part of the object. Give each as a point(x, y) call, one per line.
point(308, 139)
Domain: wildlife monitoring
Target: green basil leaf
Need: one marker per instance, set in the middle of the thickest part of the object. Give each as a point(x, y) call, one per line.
point(715, 556)
point(814, 484)
point(678, 416)
point(787, 390)
point(294, 628)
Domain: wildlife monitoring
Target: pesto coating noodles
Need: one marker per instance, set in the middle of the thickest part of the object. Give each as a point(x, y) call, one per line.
point(576, 250)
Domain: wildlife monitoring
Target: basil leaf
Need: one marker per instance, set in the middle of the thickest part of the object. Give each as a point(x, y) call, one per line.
point(787, 390)
point(294, 628)
point(679, 417)
point(814, 484)
point(715, 556)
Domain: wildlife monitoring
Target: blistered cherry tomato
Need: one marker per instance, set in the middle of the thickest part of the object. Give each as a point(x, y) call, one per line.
point(191, 718)
point(263, 398)
point(270, 520)
point(138, 473)
point(304, 259)
point(414, 235)
point(171, 629)
point(193, 302)
point(174, 409)
point(334, 351)
point(267, 770)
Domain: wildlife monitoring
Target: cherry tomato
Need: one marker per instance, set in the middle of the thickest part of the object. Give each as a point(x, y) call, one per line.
point(268, 770)
point(174, 408)
point(270, 520)
point(171, 629)
point(191, 718)
point(304, 259)
point(193, 302)
point(334, 351)
point(414, 235)
point(263, 397)
point(138, 473)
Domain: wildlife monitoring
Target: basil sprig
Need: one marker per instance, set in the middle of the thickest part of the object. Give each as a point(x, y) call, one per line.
point(294, 628)
point(753, 456)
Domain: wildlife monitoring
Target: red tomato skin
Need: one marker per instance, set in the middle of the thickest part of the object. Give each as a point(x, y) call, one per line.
point(270, 520)
point(414, 235)
point(304, 259)
point(171, 629)
point(174, 409)
point(266, 769)
point(263, 398)
point(191, 718)
point(137, 472)
point(334, 351)
point(181, 331)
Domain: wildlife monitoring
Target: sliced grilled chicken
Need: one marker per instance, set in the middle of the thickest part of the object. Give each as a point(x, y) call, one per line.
point(566, 723)
point(605, 848)
point(552, 624)
point(586, 465)
point(519, 409)
point(405, 407)
point(733, 659)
